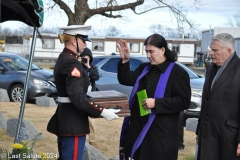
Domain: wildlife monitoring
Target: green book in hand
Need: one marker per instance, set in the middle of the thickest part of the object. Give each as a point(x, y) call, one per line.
point(141, 96)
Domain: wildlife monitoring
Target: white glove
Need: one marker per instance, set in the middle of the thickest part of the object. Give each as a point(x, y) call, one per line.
point(109, 114)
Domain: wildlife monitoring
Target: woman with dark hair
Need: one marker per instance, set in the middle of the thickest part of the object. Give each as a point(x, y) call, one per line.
point(161, 90)
point(159, 42)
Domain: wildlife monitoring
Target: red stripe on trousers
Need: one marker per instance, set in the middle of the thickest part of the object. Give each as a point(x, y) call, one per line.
point(75, 149)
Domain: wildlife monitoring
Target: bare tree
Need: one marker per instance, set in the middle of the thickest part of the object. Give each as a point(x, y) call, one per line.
point(107, 32)
point(6, 32)
point(164, 31)
point(80, 11)
point(172, 33)
point(95, 32)
point(168, 32)
point(52, 30)
point(25, 30)
point(125, 35)
point(157, 28)
point(112, 31)
point(234, 21)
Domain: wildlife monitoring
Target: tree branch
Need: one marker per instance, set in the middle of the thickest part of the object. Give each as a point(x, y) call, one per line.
point(134, 10)
point(102, 10)
point(110, 2)
point(179, 15)
point(82, 12)
point(64, 7)
point(111, 16)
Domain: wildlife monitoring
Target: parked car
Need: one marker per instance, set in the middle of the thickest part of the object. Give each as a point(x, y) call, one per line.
point(107, 67)
point(13, 70)
point(208, 61)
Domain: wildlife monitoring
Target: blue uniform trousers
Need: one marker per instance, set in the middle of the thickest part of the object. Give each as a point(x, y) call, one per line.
point(71, 147)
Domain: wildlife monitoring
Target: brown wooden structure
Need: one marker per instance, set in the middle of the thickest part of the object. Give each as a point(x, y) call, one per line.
point(111, 99)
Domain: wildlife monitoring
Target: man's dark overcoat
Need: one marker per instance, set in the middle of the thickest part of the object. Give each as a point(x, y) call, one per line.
point(161, 140)
point(218, 126)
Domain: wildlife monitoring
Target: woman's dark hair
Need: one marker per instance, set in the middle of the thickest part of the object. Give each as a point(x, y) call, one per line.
point(158, 41)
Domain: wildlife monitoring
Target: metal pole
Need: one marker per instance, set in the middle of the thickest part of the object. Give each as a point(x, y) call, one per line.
point(0, 11)
point(52, 56)
point(26, 85)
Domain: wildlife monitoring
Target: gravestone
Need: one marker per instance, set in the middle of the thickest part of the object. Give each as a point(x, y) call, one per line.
point(27, 130)
point(3, 123)
point(191, 124)
point(4, 95)
point(92, 153)
point(44, 101)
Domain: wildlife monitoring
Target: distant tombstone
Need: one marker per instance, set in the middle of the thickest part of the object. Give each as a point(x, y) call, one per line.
point(92, 153)
point(44, 101)
point(191, 124)
point(4, 95)
point(27, 130)
point(3, 123)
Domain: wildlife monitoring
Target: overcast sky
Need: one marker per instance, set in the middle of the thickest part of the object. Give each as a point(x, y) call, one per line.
point(213, 13)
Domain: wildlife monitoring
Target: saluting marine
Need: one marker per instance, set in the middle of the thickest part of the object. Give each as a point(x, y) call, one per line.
point(70, 121)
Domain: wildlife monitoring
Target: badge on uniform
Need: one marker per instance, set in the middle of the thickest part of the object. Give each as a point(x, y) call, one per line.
point(75, 72)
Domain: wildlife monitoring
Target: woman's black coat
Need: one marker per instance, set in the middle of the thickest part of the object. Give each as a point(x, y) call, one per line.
point(161, 140)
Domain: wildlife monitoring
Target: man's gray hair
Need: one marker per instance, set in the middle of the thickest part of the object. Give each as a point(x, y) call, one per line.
point(225, 38)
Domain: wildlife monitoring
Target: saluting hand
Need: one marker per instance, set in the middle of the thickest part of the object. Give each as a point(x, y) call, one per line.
point(123, 50)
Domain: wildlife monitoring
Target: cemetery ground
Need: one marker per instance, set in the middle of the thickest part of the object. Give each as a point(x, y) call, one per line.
point(106, 132)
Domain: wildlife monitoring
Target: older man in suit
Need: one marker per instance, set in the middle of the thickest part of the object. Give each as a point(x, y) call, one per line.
point(218, 134)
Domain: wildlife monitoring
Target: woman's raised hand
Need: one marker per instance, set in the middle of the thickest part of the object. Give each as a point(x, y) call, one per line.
point(123, 50)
